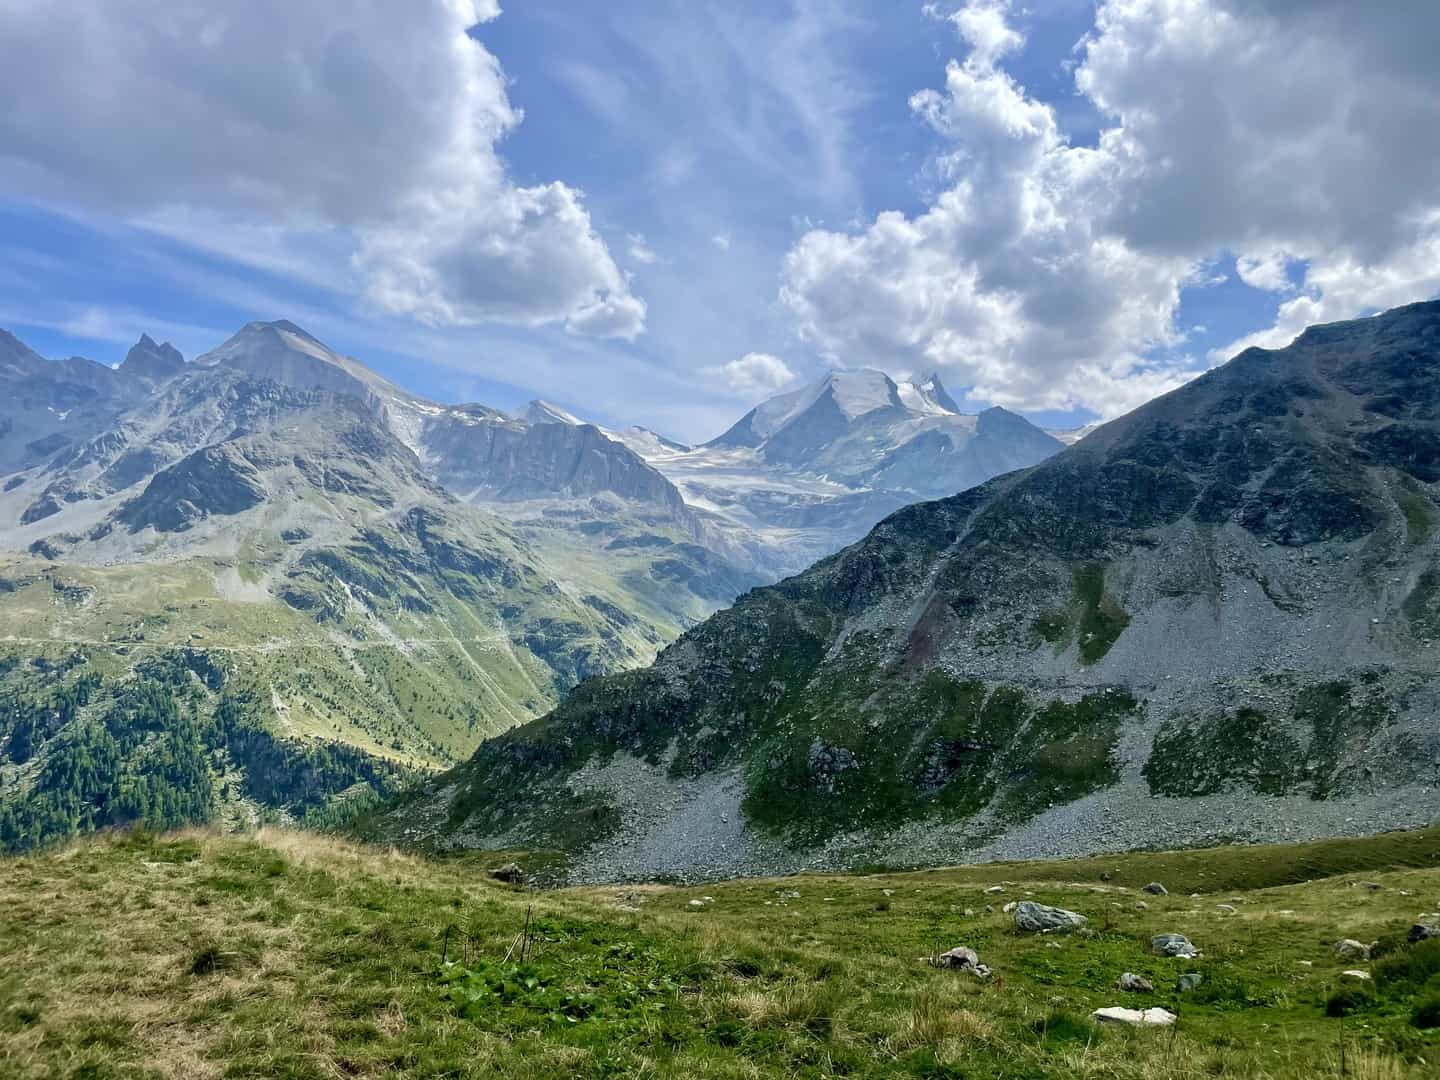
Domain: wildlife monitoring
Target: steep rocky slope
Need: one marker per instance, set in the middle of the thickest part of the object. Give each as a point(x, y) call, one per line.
point(1212, 618)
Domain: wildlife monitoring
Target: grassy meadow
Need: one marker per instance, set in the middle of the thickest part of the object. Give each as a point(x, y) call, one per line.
point(290, 954)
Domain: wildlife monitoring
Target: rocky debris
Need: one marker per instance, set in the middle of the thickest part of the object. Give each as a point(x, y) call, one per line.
point(1172, 945)
point(1038, 918)
point(961, 958)
point(510, 873)
point(1134, 984)
point(1423, 931)
point(1188, 981)
point(1350, 949)
point(827, 762)
point(1156, 889)
point(1116, 1014)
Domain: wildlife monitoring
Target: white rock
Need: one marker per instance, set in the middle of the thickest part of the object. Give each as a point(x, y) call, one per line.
point(1355, 973)
point(1134, 1017)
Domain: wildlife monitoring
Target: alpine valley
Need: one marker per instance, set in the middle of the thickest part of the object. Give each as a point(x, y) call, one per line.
point(269, 583)
point(1210, 620)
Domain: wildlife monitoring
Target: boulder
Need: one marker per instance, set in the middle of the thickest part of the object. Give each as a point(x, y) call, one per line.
point(961, 958)
point(1350, 949)
point(511, 873)
point(1134, 984)
point(1423, 931)
point(1038, 918)
point(1156, 889)
point(1133, 1017)
point(1172, 945)
point(1189, 981)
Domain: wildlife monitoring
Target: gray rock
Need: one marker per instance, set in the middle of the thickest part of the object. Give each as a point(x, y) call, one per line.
point(1134, 984)
point(1172, 945)
point(1156, 889)
point(510, 873)
point(1189, 981)
point(962, 958)
point(1140, 905)
point(1036, 918)
point(1350, 949)
point(1423, 931)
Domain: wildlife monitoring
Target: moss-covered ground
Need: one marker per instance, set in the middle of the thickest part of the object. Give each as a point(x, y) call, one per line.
point(283, 954)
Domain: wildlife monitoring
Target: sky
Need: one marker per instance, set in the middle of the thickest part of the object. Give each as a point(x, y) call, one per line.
point(663, 211)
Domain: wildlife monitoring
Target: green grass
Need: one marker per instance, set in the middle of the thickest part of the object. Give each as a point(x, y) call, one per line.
point(284, 954)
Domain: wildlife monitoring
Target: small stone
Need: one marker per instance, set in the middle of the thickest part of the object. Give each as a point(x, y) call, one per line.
point(1172, 945)
point(995, 889)
point(1134, 1017)
point(1355, 973)
point(1189, 981)
point(510, 873)
point(1134, 984)
point(1307, 963)
point(1011, 906)
point(1156, 889)
point(1226, 909)
point(697, 903)
point(1350, 949)
point(1140, 905)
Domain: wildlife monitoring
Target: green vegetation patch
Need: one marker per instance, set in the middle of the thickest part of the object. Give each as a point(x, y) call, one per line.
point(1094, 618)
point(1248, 748)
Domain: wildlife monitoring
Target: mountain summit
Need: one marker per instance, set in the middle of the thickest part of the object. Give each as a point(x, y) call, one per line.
point(1212, 618)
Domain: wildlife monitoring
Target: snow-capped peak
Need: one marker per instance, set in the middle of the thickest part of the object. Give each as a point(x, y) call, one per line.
point(927, 396)
point(543, 412)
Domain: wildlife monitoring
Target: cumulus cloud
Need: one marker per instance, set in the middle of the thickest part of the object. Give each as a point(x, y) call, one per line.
point(1047, 274)
point(755, 375)
point(375, 121)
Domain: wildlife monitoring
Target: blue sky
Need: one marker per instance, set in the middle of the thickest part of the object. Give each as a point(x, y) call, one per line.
point(658, 212)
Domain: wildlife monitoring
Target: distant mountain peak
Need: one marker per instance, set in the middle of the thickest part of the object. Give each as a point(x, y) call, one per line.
point(152, 361)
point(928, 395)
point(540, 411)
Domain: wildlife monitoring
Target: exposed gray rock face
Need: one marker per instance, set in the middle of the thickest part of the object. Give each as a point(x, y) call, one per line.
point(1036, 918)
point(478, 451)
point(216, 480)
point(152, 362)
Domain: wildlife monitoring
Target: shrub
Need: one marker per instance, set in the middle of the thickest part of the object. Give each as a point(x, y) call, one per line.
point(1427, 1013)
point(1413, 967)
point(1350, 999)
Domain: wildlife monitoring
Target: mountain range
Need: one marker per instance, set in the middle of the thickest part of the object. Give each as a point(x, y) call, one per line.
point(289, 567)
point(1211, 619)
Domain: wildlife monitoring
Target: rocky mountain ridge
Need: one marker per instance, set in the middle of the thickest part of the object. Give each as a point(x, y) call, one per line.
point(1210, 619)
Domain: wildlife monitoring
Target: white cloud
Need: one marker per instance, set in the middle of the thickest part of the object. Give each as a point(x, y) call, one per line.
point(721, 241)
point(374, 121)
point(640, 250)
point(754, 375)
point(1049, 275)
point(1268, 271)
